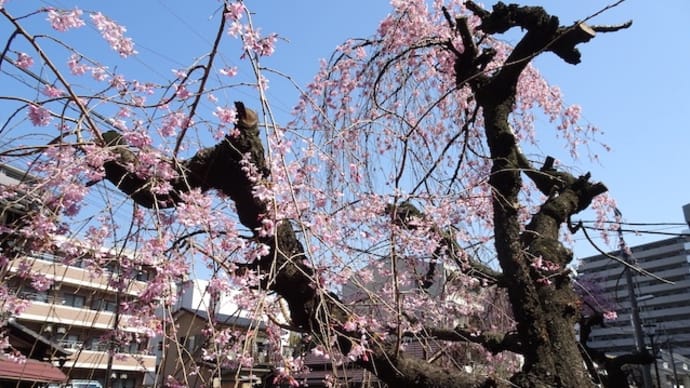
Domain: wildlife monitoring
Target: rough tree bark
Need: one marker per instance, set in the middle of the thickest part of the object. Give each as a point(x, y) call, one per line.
point(546, 313)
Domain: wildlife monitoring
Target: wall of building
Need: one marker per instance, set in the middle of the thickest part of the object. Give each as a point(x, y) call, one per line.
point(78, 310)
point(78, 313)
point(193, 295)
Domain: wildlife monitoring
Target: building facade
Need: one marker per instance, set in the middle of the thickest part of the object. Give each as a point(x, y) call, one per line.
point(80, 310)
point(664, 307)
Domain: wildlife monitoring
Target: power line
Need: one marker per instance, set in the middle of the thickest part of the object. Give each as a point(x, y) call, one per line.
point(636, 231)
point(637, 223)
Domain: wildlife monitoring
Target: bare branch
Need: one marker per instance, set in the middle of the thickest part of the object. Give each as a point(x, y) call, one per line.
point(493, 342)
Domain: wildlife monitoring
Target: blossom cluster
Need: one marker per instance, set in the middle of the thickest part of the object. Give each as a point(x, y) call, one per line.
point(113, 33)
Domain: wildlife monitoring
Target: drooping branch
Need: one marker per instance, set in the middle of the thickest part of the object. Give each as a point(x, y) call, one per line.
point(204, 79)
point(223, 167)
point(406, 215)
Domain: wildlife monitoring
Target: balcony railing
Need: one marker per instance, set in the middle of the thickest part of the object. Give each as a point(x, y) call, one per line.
point(33, 296)
point(71, 344)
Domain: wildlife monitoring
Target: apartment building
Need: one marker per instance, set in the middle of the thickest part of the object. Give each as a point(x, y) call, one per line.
point(79, 312)
point(664, 307)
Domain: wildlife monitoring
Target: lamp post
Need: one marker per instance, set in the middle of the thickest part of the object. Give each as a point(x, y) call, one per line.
point(634, 308)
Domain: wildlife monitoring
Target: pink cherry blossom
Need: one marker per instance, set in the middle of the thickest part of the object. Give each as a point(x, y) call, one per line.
point(226, 115)
point(64, 20)
point(99, 73)
point(234, 10)
point(195, 209)
point(229, 71)
point(24, 61)
point(181, 92)
point(235, 29)
point(52, 91)
point(118, 81)
point(40, 282)
point(173, 121)
point(610, 315)
point(113, 33)
point(39, 115)
point(75, 65)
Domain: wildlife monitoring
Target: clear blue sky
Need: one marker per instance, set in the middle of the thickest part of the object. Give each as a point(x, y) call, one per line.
point(632, 84)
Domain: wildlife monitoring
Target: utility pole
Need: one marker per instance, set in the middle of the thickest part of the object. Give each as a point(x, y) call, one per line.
point(634, 308)
point(673, 362)
point(651, 330)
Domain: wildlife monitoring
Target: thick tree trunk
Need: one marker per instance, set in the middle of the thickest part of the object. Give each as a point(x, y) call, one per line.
point(546, 310)
point(546, 315)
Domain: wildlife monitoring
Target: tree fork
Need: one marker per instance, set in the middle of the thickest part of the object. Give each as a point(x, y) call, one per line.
point(545, 314)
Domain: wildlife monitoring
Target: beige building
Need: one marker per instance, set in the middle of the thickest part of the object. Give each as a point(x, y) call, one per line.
point(80, 310)
point(186, 358)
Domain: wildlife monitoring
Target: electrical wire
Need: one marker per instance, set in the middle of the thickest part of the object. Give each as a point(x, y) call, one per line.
point(636, 231)
point(637, 223)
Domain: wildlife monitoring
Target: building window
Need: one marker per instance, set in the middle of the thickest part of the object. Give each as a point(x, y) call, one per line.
point(103, 305)
point(142, 275)
point(73, 300)
point(35, 296)
point(47, 256)
point(261, 355)
point(98, 344)
point(122, 380)
point(191, 343)
point(133, 347)
point(70, 341)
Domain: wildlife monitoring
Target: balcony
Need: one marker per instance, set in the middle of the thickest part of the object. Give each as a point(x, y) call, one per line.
point(76, 276)
point(94, 359)
point(71, 316)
